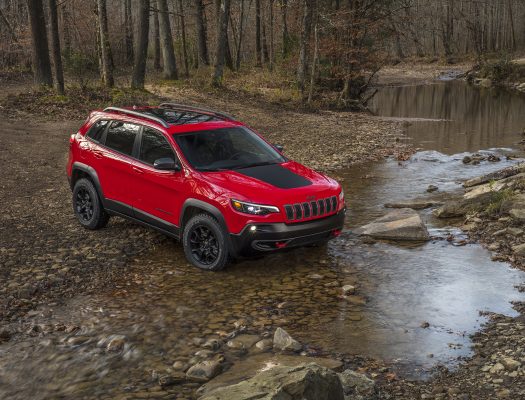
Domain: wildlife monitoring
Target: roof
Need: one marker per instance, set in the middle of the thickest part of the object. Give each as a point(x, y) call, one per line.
point(170, 115)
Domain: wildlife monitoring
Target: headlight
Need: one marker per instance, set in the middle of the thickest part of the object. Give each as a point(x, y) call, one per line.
point(255, 209)
point(342, 196)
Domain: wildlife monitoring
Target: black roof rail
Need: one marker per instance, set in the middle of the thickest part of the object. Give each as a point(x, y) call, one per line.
point(205, 111)
point(137, 114)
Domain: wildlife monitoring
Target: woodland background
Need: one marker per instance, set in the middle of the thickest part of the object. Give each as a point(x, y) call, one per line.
point(315, 46)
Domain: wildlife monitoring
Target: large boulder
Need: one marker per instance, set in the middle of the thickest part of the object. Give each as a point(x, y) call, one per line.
point(302, 382)
point(357, 386)
point(400, 224)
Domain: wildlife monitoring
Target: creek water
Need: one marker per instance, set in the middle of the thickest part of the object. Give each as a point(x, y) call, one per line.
point(165, 303)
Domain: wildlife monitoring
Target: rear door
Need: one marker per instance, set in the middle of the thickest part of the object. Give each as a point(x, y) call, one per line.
point(115, 158)
point(157, 194)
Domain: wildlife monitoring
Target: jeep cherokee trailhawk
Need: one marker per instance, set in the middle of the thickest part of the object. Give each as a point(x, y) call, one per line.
point(201, 176)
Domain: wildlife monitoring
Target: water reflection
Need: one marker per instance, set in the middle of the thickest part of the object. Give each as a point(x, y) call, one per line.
point(476, 118)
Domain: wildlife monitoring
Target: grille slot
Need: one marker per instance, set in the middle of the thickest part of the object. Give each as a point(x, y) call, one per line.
point(317, 208)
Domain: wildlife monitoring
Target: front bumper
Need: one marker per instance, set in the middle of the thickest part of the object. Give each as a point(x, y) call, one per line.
point(280, 236)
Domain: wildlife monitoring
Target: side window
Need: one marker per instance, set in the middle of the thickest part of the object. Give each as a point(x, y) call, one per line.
point(121, 136)
point(154, 146)
point(97, 130)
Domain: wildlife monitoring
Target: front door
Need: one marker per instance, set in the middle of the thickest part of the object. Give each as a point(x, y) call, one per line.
point(157, 194)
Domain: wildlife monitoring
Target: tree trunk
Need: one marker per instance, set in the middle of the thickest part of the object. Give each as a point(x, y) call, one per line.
point(202, 33)
point(183, 34)
point(221, 42)
point(40, 51)
point(265, 56)
point(141, 51)
point(258, 47)
point(303, 51)
point(55, 47)
point(314, 63)
point(128, 31)
point(271, 36)
point(156, 41)
point(66, 30)
point(166, 41)
point(105, 49)
point(284, 23)
point(239, 42)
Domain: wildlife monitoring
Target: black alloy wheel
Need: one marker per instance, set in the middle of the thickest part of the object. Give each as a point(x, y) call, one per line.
point(84, 205)
point(205, 243)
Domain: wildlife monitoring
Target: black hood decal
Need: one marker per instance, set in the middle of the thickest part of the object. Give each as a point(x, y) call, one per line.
point(276, 175)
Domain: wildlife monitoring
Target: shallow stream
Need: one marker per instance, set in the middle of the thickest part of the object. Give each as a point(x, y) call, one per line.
point(400, 289)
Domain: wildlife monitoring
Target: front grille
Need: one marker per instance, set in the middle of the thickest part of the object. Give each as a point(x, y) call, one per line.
point(298, 211)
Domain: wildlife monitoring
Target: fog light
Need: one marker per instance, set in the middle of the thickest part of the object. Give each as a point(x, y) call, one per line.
point(253, 228)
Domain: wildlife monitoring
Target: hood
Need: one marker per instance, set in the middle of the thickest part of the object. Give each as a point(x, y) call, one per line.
point(288, 182)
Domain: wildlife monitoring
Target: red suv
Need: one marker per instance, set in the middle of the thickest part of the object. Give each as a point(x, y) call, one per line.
point(201, 176)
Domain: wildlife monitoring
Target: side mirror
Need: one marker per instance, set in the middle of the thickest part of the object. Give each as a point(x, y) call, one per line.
point(279, 147)
point(166, 164)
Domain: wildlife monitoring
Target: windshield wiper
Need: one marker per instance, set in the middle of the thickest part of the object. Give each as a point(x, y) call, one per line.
point(211, 169)
point(259, 164)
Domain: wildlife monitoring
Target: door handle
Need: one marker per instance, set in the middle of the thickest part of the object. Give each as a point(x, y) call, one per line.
point(138, 170)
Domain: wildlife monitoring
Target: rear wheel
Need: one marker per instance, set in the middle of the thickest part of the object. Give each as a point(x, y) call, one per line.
point(87, 205)
point(205, 243)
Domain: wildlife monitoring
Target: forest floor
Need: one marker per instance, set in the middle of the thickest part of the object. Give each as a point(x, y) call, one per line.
point(46, 258)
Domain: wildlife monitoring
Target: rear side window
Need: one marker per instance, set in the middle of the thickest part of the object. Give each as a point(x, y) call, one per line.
point(97, 130)
point(121, 136)
point(154, 146)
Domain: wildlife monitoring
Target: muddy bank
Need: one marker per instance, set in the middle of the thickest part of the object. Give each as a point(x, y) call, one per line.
point(419, 73)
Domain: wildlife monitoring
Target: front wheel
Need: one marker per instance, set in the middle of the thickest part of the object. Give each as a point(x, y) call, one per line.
point(205, 243)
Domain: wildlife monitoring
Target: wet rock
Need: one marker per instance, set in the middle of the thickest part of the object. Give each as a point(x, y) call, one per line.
point(302, 382)
point(401, 224)
point(115, 343)
point(510, 364)
point(413, 204)
point(517, 214)
point(357, 386)
point(495, 176)
point(264, 345)
point(5, 334)
point(519, 250)
point(497, 368)
point(243, 342)
point(171, 379)
point(425, 325)
point(212, 344)
point(348, 289)
point(204, 371)
point(467, 160)
point(180, 366)
point(283, 341)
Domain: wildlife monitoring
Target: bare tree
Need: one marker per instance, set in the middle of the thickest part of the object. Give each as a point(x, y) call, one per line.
point(105, 49)
point(156, 41)
point(128, 24)
point(40, 51)
point(258, 46)
point(239, 41)
point(55, 47)
point(202, 42)
point(303, 51)
point(221, 42)
point(141, 50)
point(284, 24)
point(166, 41)
point(183, 36)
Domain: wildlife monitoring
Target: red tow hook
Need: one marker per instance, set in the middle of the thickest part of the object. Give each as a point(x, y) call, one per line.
point(280, 245)
point(336, 232)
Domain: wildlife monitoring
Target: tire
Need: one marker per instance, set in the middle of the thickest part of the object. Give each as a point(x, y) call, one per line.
point(205, 243)
point(87, 205)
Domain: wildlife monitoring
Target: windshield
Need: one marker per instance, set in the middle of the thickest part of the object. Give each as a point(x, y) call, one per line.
point(226, 148)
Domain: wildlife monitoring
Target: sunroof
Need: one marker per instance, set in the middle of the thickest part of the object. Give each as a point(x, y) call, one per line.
point(180, 117)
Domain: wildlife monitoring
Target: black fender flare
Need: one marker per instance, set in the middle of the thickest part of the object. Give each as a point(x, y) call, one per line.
point(90, 171)
point(211, 209)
